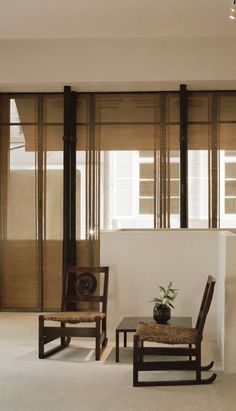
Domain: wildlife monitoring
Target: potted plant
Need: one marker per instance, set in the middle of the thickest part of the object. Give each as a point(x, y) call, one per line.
point(161, 310)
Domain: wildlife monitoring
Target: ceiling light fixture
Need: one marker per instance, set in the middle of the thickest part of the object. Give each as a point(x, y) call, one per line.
point(232, 11)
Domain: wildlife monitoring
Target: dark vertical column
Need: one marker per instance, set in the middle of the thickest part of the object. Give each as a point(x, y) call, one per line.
point(214, 162)
point(183, 156)
point(73, 180)
point(41, 198)
point(69, 179)
point(66, 178)
point(91, 187)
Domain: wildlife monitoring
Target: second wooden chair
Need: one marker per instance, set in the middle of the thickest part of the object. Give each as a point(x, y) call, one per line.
point(84, 300)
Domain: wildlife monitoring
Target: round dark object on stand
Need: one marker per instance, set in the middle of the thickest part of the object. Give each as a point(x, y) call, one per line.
point(161, 313)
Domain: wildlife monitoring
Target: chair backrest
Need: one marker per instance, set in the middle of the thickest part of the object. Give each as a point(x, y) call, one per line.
point(205, 304)
point(85, 285)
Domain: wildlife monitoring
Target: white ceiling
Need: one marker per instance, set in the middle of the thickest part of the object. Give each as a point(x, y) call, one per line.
point(53, 19)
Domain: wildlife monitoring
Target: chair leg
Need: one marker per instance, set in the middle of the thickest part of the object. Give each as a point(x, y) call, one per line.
point(65, 341)
point(207, 367)
point(104, 330)
point(105, 342)
point(135, 361)
point(41, 340)
point(198, 362)
point(98, 338)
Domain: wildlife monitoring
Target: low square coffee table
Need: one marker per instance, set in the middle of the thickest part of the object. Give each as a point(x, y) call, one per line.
point(130, 324)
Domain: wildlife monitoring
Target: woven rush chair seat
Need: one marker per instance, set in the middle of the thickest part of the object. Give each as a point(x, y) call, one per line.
point(75, 317)
point(166, 334)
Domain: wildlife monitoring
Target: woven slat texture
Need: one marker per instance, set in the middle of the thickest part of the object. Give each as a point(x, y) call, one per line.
point(166, 334)
point(74, 317)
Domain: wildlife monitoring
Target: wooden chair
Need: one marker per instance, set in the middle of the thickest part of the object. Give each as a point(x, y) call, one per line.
point(166, 334)
point(82, 288)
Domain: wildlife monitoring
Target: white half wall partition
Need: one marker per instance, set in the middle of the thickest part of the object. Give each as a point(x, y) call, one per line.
point(230, 306)
point(141, 260)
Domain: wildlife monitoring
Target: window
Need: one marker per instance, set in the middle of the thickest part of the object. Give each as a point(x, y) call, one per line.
point(211, 158)
point(127, 174)
point(146, 185)
point(138, 135)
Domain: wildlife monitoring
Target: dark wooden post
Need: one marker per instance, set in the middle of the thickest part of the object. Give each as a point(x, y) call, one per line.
point(183, 156)
point(69, 180)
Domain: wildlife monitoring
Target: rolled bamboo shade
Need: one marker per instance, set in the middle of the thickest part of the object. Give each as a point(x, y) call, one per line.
point(127, 108)
point(27, 109)
point(124, 121)
point(20, 274)
point(31, 206)
point(130, 122)
point(200, 121)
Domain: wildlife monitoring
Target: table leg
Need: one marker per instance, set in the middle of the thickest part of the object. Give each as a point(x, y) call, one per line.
point(117, 346)
point(125, 338)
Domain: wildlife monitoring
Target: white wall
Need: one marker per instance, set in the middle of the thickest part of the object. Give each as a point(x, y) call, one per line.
point(220, 291)
point(230, 306)
point(141, 260)
point(121, 63)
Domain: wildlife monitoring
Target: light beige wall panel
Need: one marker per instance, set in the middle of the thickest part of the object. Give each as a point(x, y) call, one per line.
point(118, 63)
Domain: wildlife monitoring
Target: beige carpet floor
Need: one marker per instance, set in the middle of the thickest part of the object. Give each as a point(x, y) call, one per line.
point(71, 380)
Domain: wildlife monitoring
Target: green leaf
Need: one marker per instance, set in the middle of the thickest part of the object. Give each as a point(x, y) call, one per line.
point(167, 295)
point(155, 300)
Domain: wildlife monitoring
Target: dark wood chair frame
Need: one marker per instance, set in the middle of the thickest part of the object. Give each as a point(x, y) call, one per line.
point(48, 334)
point(192, 350)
